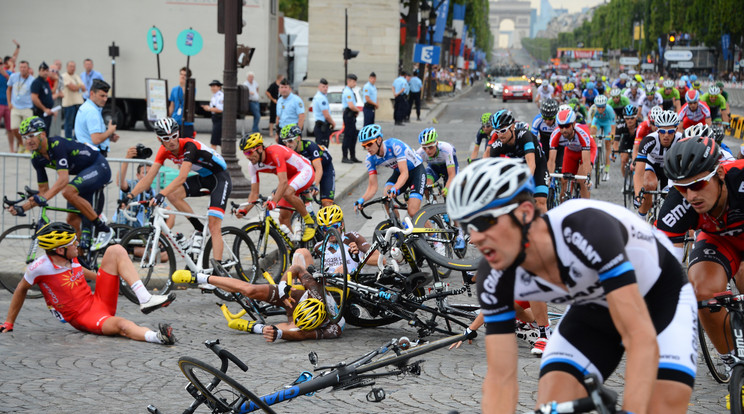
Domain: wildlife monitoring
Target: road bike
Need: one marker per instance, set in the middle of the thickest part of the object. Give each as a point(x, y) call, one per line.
point(599, 164)
point(657, 200)
point(572, 187)
point(601, 399)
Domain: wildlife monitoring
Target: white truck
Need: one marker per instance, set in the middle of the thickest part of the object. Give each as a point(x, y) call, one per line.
point(81, 29)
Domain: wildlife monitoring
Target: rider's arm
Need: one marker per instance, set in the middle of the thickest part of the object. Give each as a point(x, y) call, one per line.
point(474, 154)
point(586, 164)
point(318, 167)
point(63, 178)
point(403, 177)
point(177, 182)
point(282, 187)
point(16, 302)
point(500, 386)
point(451, 171)
point(640, 167)
point(371, 187)
point(677, 105)
point(551, 160)
point(530, 159)
point(146, 182)
point(708, 121)
point(301, 120)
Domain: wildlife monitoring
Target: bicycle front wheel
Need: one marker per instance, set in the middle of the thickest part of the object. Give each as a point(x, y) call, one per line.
point(223, 394)
point(18, 249)
point(153, 259)
point(237, 255)
point(440, 244)
point(273, 254)
point(736, 392)
point(712, 360)
point(333, 240)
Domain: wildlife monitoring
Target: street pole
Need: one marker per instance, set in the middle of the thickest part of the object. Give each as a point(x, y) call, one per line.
point(346, 43)
point(240, 185)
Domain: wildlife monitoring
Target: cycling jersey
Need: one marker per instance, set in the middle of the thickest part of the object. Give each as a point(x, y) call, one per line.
point(604, 121)
point(204, 160)
point(445, 156)
point(600, 247)
point(393, 150)
point(332, 258)
point(651, 151)
point(280, 159)
point(525, 143)
point(64, 154)
point(619, 105)
point(625, 136)
point(589, 95)
point(581, 141)
point(545, 91)
point(313, 151)
point(668, 98)
point(690, 117)
point(649, 102)
point(480, 136)
point(637, 99)
point(715, 106)
point(543, 131)
point(643, 129)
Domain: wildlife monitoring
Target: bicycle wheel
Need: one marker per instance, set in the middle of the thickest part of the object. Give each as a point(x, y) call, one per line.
point(443, 231)
point(155, 265)
point(333, 239)
point(223, 393)
point(598, 167)
point(93, 259)
point(736, 392)
point(273, 254)
point(18, 249)
point(365, 313)
point(628, 189)
point(716, 367)
point(553, 200)
point(238, 255)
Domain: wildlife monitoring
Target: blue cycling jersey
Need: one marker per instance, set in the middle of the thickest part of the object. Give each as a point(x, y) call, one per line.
point(393, 150)
point(540, 128)
point(604, 120)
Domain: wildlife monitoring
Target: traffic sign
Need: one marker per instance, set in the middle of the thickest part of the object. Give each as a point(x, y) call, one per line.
point(686, 65)
point(155, 40)
point(597, 63)
point(630, 61)
point(678, 55)
point(426, 53)
point(190, 42)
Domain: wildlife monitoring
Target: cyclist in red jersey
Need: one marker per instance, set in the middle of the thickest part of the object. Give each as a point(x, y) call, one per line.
point(62, 282)
point(580, 148)
point(295, 175)
point(707, 197)
point(693, 112)
point(212, 178)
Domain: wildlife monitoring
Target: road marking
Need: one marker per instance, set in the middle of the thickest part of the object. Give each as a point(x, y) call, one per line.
point(455, 121)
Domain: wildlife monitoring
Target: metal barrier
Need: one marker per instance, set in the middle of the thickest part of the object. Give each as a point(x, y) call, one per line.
point(17, 173)
point(737, 126)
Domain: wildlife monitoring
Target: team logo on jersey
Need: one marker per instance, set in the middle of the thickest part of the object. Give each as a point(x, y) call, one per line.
point(577, 242)
point(73, 279)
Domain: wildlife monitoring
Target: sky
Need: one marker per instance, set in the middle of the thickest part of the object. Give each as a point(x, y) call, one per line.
point(572, 5)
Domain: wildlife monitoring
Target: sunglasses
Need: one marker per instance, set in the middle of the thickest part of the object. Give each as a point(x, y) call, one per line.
point(287, 140)
point(565, 126)
point(502, 130)
point(250, 151)
point(336, 226)
point(429, 146)
point(28, 136)
point(368, 144)
point(552, 118)
point(486, 220)
point(167, 138)
point(73, 242)
point(696, 185)
point(667, 131)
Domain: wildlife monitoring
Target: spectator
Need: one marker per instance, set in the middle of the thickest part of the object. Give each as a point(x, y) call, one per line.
point(323, 120)
point(289, 107)
point(348, 101)
point(73, 89)
point(254, 98)
point(369, 94)
point(401, 104)
point(176, 106)
point(272, 92)
point(414, 97)
point(5, 72)
point(55, 83)
point(89, 125)
point(215, 107)
point(42, 96)
point(19, 97)
point(88, 76)
point(126, 186)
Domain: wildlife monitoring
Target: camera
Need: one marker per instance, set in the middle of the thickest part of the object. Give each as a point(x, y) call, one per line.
point(143, 152)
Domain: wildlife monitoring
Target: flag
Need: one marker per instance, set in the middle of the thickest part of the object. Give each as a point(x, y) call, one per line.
point(441, 21)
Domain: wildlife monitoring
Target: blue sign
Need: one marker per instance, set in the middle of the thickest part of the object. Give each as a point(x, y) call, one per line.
point(426, 54)
point(189, 42)
point(725, 45)
point(155, 40)
point(441, 21)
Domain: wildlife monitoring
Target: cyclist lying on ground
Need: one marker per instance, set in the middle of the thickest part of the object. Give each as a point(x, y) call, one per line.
point(70, 299)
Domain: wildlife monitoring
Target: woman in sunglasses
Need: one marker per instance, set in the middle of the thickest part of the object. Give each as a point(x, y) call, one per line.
point(623, 282)
point(707, 196)
point(649, 163)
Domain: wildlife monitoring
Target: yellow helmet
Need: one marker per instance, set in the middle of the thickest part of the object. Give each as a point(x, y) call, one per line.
point(253, 140)
point(569, 87)
point(55, 234)
point(309, 314)
point(330, 215)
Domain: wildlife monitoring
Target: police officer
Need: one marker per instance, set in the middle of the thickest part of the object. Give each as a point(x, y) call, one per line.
point(414, 96)
point(369, 94)
point(323, 120)
point(289, 107)
point(348, 102)
point(400, 84)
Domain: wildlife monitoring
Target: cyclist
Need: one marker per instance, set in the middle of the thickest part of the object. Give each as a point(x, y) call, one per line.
point(408, 168)
point(295, 174)
point(620, 277)
point(544, 123)
point(649, 164)
point(617, 102)
point(600, 85)
point(579, 149)
point(694, 111)
point(320, 158)
point(652, 98)
point(670, 96)
point(69, 297)
point(569, 91)
point(719, 111)
point(440, 157)
point(484, 133)
point(580, 110)
point(645, 128)
point(621, 82)
point(682, 86)
point(544, 92)
point(589, 94)
point(635, 95)
point(604, 123)
point(190, 155)
point(725, 94)
point(68, 157)
point(625, 135)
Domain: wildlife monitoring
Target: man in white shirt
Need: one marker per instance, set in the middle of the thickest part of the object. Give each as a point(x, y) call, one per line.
point(215, 107)
point(255, 105)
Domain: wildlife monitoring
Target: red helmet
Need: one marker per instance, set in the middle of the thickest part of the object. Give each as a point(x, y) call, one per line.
point(692, 96)
point(566, 117)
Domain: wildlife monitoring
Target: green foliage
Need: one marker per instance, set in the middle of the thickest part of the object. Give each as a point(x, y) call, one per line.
point(476, 16)
point(295, 9)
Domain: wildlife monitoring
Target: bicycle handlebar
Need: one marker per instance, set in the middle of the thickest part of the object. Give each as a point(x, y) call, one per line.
point(380, 199)
point(569, 176)
point(721, 300)
point(224, 354)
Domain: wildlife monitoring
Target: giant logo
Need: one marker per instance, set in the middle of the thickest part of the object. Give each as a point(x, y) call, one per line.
point(578, 241)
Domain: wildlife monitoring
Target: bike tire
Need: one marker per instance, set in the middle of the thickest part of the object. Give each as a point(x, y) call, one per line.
point(552, 197)
point(416, 257)
point(273, 253)
point(598, 167)
point(710, 356)
point(438, 214)
point(363, 313)
point(736, 392)
point(156, 278)
point(238, 251)
point(201, 374)
point(341, 299)
point(18, 249)
point(628, 189)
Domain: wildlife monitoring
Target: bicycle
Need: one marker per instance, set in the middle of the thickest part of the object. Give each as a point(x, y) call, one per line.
point(19, 248)
point(222, 394)
point(657, 200)
point(599, 164)
point(600, 399)
point(573, 189)
point(628, 172)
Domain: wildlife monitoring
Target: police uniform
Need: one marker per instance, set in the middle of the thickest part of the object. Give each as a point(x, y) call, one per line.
point(401, 104)
point(414, 96)
point(350, 131)
point(322, 128)
point(370, 91)
point(289, 109)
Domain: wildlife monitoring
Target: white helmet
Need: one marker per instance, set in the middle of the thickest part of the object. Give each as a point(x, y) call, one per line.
point(615, 92)
point(714, 90)
point(487, 184)
point(667, 119)
point(600, 100)
point(698, 130)
point(668, 83)
point(655, 112)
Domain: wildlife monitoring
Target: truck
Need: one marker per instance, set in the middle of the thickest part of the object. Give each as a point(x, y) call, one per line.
point(75, 30)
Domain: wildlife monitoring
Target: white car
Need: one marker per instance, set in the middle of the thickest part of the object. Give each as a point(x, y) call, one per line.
point(336, 109)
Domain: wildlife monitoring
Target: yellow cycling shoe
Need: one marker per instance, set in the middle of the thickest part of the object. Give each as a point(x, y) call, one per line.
point(183, 276)
point(242, 325)
point(309, 233)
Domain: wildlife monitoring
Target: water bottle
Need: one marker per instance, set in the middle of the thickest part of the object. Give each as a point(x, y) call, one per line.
point(286, 230)
point(397, 254)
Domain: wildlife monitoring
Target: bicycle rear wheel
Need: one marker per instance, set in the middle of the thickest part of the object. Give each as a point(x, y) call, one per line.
point(598, 164)
point(223, 394)
point(238, 255)
point(443, 231)
point(334, 315)
point(628, 188)
point(364, 313)
point(273, 254)
point(18, 249)
point(736, 392)
point(156, 276)
point(716, 367)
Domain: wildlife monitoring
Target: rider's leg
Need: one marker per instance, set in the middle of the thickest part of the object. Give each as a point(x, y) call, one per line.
point(74, 220)
point(709, 278)
point(302, 257)
point(670, 397)
point(215, 229)
point(71, 194)
point(178, 200)
point(291, 196)
point(414, 204)
point(649, 183)
point(623, 161)
point(285, 217)
point(116, 325)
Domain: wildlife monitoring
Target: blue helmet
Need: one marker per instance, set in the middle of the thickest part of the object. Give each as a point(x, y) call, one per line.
point(590, 85)
point(428, 136)
point(693, 78)
point(370, 132)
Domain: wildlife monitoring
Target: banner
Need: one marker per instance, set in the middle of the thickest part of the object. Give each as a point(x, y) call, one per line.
point(426, 54)
point(458, 23)
point(726, 45)
point(463, 40)
point(441, 21)
point(580, 53)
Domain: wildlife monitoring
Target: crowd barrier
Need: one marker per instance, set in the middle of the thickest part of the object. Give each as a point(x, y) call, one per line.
point(737, 126)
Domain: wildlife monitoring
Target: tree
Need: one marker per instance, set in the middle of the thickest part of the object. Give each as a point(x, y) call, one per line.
point(295, 9)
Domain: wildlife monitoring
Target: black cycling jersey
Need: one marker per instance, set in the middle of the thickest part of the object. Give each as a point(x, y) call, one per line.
point(480, 136)
point(313, 151)
point(524, 143)
point(625, 135)
point(64, 154)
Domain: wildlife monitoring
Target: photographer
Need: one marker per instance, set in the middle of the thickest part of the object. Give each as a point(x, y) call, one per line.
point(140, 152)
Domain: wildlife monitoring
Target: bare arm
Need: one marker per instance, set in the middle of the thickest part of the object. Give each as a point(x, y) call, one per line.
point(500, 385)
point(318, 167)
point(640, 167)
point(553, 154)
point(371, 187)
point(282, 187)
point(183, 174)
point(530, 159)
point(99, 137)
point(301, 120)
point(16, 302)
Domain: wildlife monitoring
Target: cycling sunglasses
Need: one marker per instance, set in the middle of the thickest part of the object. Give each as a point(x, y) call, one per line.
point(696, 185)
point(336, 226)
point(565, 126)
point(167, 138)
point(249, 151)
point(368, 143)
point(434, 145)
point(28, 136)
point(502, 131)
point(551, 118)
point(487, 219)
point(286, 140)
point(666, 131)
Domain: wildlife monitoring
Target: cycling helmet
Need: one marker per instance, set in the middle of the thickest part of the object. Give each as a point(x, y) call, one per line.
point(696, 85)
point(668, 83)
point(684, 78)
point(690, 157)
point(250, 141)
point(693, 78)
point(623, 76)
point(309, 314)
point(590, 85)
point(428, 136)
point(604, 78)
point(329, 215)
point(165, 127)
point(638, 78)
point(692, 96)
point(370, 132)
point(714, 90)
point(633, 84)
point(600, 100)
point(31, 124)
point(290, 131)
point(487, 183)
point(615, 92)
point(574, 101)
point(630, 110)
point(566, 117)
point(650, 88)
point(682, 83)
point(569, 86)
point(667, 119)
point(485, 118)
point(716, 131)
point(548, 108)
point(592, 78)
point(655, 112)
point(719, 84)
point(698, 130)
point(55, 234)
point(502, 119)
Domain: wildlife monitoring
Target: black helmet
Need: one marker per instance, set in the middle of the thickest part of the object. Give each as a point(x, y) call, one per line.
point(549, 108)
point(502, 119)
point(165, 127)
point(690, 157)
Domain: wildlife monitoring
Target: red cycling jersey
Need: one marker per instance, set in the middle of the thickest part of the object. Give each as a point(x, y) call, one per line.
point(641, 132)
point(204, 160)
point(279, 159)
point(689, 117)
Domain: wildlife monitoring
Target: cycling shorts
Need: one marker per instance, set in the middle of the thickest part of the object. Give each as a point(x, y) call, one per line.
point(218, 185)
point(416, 180)
point(603, 127)
point(542, 179)
point(687, 122)
point(626, 143)
point(101, 306)
point(92, 179)
point(586, 341)
point(300, 182)
point(328, 184)
point(572, 160)
point(437, 171)
point(658, 170)
point(724, 250)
